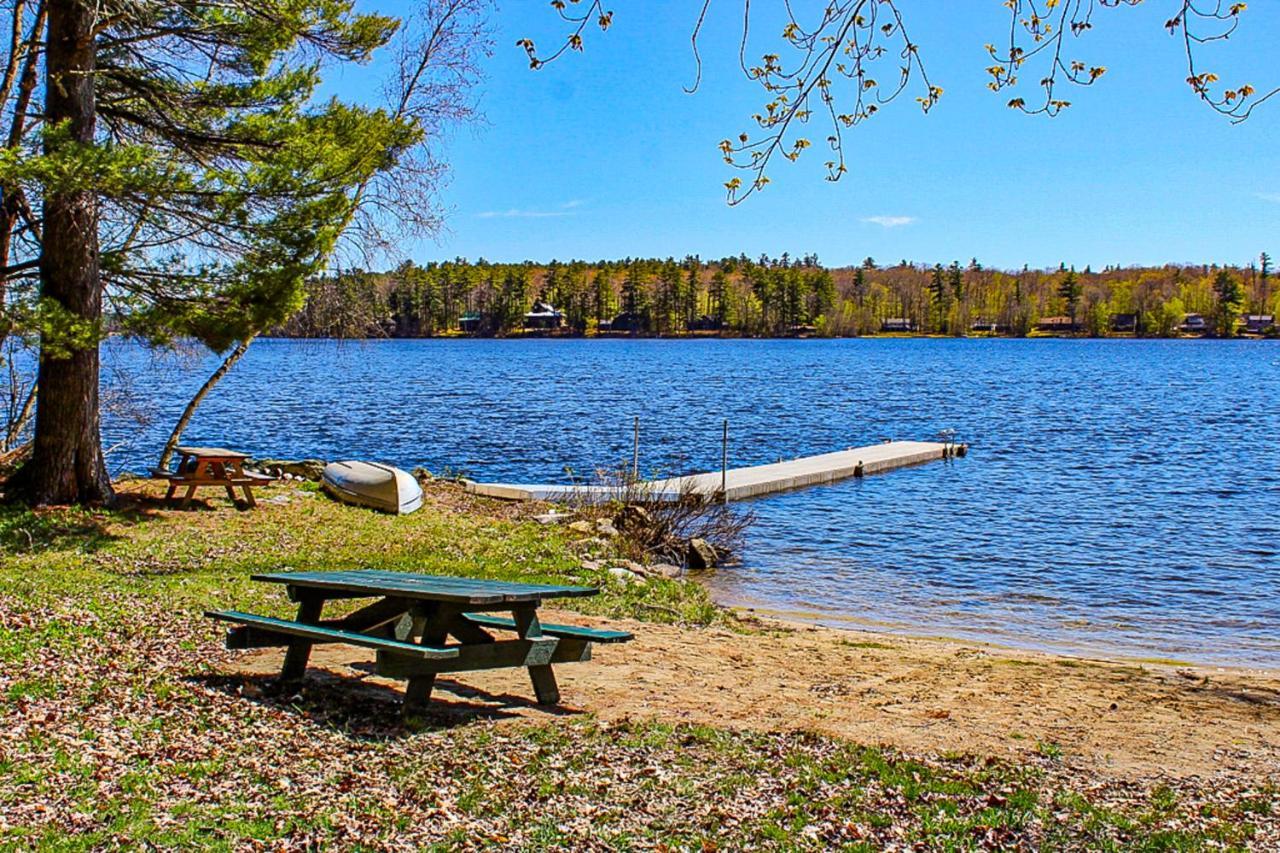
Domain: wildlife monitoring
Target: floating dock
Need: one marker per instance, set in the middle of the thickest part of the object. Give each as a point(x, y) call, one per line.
point(740, 483)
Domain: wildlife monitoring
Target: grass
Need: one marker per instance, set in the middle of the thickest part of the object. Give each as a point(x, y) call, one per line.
point(99, 559)
point(865, 644)
point(582, 783)
point(122, 730)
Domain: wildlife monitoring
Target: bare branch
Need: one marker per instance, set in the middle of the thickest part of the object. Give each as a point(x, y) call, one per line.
point(833, 53)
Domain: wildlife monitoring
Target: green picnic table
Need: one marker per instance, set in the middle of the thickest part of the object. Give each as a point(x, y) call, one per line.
point(411, 621)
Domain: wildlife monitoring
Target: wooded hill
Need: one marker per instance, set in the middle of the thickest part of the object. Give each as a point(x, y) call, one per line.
point(778, 297)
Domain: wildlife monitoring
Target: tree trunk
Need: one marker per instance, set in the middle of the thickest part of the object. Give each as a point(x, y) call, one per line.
point(20, 421)
point(228, 363)
point(67, 465)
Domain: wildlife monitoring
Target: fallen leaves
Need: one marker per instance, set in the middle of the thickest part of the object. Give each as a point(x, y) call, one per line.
point(122, 728)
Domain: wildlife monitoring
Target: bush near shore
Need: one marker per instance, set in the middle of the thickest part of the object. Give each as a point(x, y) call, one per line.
point(123, 727)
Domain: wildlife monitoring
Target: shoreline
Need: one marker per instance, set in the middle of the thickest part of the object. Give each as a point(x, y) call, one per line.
point(1118, 720)
point(799, 619)
point(890, 336)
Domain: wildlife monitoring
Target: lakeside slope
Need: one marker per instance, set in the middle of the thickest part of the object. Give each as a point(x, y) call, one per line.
point(128, 723)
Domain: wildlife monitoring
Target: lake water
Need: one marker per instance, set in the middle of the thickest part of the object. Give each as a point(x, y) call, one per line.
point(1121, 497)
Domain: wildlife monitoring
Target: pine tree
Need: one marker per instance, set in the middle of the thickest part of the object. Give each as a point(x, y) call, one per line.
point(1070, 291)
point(762, 286)
point(822, 293)
point(185, 171)
point(1264, 282)
point(667, 297)
point(717, 295)
point(690, 290)
point(633, 295)
point(577, 297)
point(1230, 301)
point(859, 286)
point(602, 286)
point(938, 297)
point(955, 278)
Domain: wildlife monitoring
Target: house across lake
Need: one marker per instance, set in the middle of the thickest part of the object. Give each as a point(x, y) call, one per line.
point(628, 321)
point(1258, 324)
point(1123, 323)
point(543, 317)
point(1194, 324)
point(994, 326)
point(1057, 325)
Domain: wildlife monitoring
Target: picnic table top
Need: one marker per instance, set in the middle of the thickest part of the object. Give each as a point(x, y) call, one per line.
point(211, 452)
point(429, 587)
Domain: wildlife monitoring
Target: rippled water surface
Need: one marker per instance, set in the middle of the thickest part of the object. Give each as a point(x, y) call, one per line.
point(1122, 497)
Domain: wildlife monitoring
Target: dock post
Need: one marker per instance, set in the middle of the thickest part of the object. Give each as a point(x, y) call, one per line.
point(724, 464)
point(635, 454)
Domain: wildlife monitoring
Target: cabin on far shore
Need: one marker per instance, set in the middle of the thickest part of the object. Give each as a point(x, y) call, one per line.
point(1057, 325)
point(1193, 324)
point(631, 322)
point(543, 317)
point(1124, 322)
point(471, 323)
point(704, 323)
point(1258, 324)
point(994, 326)
point(897, 324)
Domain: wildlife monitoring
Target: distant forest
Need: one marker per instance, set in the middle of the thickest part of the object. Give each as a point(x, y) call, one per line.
point(781, 297)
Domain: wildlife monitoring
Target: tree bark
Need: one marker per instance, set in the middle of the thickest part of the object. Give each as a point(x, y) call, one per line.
point(176, 436)
point(67, 465)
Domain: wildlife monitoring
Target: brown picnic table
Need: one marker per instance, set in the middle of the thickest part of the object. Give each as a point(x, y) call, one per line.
point(423, 625)
point(211, 466)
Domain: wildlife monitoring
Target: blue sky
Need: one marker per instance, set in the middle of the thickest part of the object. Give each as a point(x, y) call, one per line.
point(602, 155)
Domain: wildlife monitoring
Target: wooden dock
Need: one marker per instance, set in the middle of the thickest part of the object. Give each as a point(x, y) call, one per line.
point(740, 483)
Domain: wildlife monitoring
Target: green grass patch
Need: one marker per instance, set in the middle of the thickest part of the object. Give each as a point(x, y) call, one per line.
point(864, 644)
point(105, 559)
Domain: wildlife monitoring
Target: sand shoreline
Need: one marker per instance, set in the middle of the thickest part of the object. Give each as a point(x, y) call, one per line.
point(799, 620)
point(1119, 719)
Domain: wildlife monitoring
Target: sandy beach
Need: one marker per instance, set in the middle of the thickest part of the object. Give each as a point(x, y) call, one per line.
point(1116, 718)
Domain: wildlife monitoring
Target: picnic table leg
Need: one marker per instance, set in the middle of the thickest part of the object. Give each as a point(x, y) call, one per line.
point(186, 499)
point(469, 632)
point(295, 659)
point(544, 680)
point(248, 497)
point(432, 628)
point(168, 496)
point(231, 493)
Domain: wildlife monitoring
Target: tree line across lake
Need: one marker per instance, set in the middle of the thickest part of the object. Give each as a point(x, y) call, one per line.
point(777, 297)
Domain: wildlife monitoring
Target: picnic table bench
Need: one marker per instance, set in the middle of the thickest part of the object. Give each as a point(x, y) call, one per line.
point(411, 621)
point(211, 466)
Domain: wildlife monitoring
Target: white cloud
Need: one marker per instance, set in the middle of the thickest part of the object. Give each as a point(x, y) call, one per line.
point(517, 213)
point(890, 221)
point(566, 209)
point(1269, 197)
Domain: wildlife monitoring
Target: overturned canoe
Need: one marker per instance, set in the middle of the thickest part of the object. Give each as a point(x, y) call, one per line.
point(371, 484)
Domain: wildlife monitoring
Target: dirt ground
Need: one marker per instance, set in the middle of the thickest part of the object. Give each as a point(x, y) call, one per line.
point(1120, 719)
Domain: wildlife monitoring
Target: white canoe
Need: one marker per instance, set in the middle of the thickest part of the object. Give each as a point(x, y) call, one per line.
point(373, 485)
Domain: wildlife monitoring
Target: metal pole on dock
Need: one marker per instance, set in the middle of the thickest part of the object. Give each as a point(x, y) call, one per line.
point(724, 462)
point(635, 454)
